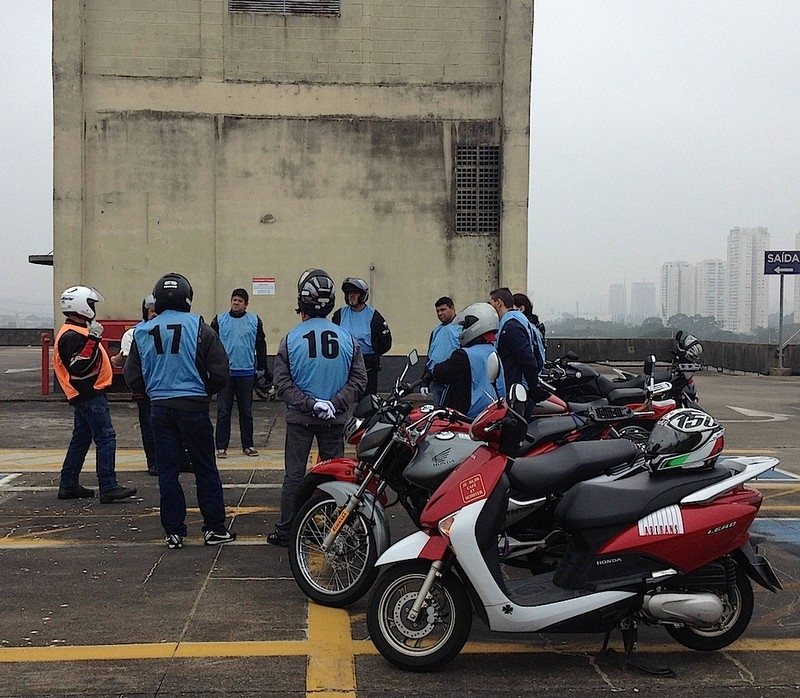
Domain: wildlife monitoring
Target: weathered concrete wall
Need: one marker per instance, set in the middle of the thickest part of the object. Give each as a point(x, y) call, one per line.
point(230, 146)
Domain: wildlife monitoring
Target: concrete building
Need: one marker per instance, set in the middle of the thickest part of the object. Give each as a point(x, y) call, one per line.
point(240, 142)
point(748, 293)
point(710, 289)
point(617, 302)
point(677, 290)
point(643, 302)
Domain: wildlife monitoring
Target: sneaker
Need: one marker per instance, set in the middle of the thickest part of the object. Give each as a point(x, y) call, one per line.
point(118, 492)
point(75, 492)
point(250, 451)
point(219, 537)
point(174, 541)
point(222, 453)
point(276, 538)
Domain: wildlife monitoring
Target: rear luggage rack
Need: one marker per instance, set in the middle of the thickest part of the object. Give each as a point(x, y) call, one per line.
point(610, 413)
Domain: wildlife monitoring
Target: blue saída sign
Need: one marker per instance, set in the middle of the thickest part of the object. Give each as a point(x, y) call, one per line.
point(782, 262)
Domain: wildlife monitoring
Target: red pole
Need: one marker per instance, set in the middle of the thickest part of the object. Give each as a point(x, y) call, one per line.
point(46, 339)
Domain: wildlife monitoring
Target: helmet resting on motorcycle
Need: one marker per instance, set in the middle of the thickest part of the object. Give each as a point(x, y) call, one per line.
point(80, 300)
point(684, 439)
point(690, 347)
point(316, 295)
point(476, 320)
point(173, 292)
point(353, 283)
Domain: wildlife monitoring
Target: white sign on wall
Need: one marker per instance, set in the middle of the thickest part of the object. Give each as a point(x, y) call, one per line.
point(263, 285)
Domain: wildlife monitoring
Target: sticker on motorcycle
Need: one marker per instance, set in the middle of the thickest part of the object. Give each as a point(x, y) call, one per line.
point(664, 522)
point(472, 489)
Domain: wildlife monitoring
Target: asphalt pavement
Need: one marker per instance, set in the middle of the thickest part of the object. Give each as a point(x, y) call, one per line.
point(96, 605)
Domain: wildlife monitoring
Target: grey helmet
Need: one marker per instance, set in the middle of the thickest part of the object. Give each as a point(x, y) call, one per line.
point(353, 283)
point(80, 300)
point(316, 294)
point(476, 320)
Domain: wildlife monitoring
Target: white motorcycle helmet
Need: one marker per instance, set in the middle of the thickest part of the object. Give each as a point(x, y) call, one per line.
point(684, 439)
point(80, 300)
point(689, 346)
point(476, 319)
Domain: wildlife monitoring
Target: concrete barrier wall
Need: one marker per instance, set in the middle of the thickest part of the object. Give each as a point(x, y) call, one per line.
point(750, 358)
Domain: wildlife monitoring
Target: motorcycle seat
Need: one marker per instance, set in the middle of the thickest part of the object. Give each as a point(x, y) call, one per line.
point(597, 504)
point(626, 396)
point(557, 471)
point(548, 428)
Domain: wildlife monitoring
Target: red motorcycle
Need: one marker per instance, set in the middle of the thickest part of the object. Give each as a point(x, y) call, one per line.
point(341, 527)
point(667, 547)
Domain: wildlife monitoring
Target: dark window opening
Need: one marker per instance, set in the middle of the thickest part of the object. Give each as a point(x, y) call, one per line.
point(330, 8)
point(477, 180)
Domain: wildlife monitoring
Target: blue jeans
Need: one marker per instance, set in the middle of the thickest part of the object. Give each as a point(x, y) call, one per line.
point(239, 388)
point(175, 430)
point(92, 423)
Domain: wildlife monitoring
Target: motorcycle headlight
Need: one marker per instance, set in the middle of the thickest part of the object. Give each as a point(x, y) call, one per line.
point(445, 524)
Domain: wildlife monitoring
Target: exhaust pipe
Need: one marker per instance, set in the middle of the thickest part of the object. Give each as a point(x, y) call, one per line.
point(700, 610)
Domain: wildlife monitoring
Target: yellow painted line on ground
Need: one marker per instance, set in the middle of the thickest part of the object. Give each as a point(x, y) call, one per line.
point(310, 648)
point(331, 662)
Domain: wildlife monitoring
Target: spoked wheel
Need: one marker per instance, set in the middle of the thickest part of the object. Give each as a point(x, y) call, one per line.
point(440, 630)
point(343, 573)
point(738, 609)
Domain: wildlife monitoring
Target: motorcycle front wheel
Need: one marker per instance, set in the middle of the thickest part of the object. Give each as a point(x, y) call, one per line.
point(439, 632)
point(343, 573)
point(738, 603)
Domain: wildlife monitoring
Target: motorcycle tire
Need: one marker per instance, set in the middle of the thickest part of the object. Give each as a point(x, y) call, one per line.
point(345, 572)
point(440, 631)
point(738, 611)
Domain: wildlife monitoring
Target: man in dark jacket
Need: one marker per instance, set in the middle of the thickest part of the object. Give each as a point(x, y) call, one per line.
point(367, 325)
point(179, 361)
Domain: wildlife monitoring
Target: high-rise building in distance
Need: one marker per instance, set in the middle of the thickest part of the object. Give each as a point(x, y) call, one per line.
point(643, 302)
point(748, 293)
point(617, 302)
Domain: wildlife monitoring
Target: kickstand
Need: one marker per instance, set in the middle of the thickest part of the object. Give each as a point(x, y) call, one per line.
point(630, 634)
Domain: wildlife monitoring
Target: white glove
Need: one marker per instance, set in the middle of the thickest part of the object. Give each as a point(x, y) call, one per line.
point(324, 409)
point(95, 329)
point(424, 390)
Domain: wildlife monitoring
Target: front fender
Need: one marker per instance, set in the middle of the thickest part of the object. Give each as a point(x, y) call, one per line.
point(342, 469)
point(372, 510)
point(417, 546)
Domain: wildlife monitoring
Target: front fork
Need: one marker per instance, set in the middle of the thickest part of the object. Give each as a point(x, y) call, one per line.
point(355, 501)
point(435, 571)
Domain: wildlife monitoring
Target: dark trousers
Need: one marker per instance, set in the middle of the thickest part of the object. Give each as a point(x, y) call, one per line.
point(372, 362)
point(239, 388)
point(148, 442)
point(299, 438)
point(175, 431)
point(92, 422)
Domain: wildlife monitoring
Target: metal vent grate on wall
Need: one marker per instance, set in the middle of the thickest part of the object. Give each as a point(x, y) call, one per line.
point(477, 179)
point(329, 8)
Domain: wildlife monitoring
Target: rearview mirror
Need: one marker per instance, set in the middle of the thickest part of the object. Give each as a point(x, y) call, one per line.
point(413, 357)
point(649, 365)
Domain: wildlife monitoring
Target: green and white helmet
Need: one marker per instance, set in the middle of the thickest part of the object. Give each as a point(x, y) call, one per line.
point(684, 439)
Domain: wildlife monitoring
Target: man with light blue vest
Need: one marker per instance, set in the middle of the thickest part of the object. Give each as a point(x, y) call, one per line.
point(242, 335)
point(179, 362)
point(443, 342)
point(319, 373)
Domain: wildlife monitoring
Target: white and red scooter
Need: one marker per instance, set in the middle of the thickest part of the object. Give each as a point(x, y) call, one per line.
point(668, 547)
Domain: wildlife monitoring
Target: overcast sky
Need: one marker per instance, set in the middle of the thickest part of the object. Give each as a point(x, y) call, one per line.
point(657, 126)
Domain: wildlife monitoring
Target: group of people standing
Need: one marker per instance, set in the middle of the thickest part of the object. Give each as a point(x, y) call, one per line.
point(456, 369)
point(174, 363)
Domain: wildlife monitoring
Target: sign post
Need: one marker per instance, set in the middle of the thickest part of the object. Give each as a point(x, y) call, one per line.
point(781, 262)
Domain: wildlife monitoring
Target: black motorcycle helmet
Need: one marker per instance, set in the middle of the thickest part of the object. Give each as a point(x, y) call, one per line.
point(316, 294)
point(353, 283)
point(173, 292)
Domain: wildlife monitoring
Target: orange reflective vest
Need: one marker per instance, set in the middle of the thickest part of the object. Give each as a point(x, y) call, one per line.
point(103, 377)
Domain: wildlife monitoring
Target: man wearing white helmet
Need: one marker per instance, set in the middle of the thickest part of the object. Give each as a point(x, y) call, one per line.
point(84, 373)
